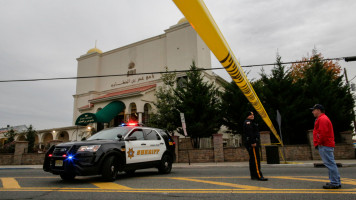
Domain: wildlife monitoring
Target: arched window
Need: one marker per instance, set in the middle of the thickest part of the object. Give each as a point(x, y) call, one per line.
point(133, 113)
point(147, 111)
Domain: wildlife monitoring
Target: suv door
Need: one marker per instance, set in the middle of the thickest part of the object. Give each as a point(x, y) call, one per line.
point(135, 146)
point(155, 143)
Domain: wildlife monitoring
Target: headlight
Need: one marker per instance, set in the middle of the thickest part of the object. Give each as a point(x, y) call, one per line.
point(90, 148)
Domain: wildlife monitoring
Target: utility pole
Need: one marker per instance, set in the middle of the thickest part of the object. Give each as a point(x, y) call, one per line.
point(353, 111)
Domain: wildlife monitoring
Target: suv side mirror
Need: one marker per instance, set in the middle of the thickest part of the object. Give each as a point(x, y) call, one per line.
point(119, 136)
point(131, 138)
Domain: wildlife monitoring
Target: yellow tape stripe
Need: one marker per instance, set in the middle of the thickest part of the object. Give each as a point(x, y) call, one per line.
point(10, 183)
point(201, 20)
point(258, 171)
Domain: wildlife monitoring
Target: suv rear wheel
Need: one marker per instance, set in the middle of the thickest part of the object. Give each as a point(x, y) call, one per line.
point(110, 168)
point(165, 166)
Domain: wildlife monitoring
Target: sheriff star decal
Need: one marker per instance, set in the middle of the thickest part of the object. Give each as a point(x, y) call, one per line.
point(130, 153)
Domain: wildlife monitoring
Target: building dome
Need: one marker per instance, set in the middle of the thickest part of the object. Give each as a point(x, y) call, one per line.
point(182, 21)
point(94, 50)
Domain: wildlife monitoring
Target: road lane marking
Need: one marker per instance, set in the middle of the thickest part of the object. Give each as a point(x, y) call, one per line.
point(111, 186)
point(346, 181)
point(246, 187)
point(10, 183)
point(197, 191)
point(299, 178)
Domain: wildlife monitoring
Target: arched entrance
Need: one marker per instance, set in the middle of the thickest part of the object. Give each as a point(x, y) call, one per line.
point(99, 125)
point(47, 138)
point(21, 138)
point(119, 119)
point(63, 136)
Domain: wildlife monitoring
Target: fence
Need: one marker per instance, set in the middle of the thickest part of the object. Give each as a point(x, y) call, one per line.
point(213, 150)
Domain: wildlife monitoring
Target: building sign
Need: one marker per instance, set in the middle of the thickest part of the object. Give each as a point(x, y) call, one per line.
point(128, 81)
point(131, 70)
point(85, 119)
point(133, 79)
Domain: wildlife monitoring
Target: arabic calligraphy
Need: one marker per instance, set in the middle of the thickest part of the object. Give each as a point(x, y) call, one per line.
point(133, 80)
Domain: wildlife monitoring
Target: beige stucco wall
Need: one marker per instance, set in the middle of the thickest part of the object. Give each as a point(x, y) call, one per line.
point(175, 49)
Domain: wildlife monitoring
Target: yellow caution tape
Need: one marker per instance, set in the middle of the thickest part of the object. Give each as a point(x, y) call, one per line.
point(201, 20)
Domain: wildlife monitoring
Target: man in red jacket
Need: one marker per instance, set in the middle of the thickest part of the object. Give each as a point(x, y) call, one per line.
point(323, 138)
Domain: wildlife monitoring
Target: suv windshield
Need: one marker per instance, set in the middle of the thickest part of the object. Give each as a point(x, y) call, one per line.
point(110, 134)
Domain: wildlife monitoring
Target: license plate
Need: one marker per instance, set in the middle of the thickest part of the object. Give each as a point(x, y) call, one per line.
point(58, 163)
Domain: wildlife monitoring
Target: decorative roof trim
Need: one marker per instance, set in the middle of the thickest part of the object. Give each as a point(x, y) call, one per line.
point(122, 94)
point(86, 107)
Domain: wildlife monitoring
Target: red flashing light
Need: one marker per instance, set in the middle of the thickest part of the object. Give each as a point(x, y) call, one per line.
point(132, 124)
point(64, 155)
point(50, 155)
point(174, 143)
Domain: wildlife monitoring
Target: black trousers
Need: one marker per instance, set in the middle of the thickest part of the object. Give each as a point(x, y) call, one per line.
point(255, 165)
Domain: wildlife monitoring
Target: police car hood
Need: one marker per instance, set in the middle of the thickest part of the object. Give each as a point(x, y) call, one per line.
point(87, 142)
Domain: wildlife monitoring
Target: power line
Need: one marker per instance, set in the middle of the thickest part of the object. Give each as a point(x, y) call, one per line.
point(353, 78)
point(174, 71)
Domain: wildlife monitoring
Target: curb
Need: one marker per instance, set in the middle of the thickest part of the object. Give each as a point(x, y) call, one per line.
point(205, 165)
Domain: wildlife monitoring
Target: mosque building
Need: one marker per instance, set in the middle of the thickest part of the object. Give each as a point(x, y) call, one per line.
point(122, 85)
point(108, 101)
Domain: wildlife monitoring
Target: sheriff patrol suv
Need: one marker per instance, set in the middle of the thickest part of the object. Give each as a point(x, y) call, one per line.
point(126, 148)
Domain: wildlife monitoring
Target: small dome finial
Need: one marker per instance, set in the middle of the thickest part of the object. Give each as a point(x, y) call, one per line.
point(94, 50)
point(182, 21)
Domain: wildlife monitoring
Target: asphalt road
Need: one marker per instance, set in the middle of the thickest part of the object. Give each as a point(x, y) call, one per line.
point(182, 183)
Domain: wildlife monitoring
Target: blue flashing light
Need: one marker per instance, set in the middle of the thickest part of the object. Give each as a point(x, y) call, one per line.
point(70, 157)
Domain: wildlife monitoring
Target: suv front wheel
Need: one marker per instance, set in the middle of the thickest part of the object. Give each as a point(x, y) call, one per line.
point(110, 168)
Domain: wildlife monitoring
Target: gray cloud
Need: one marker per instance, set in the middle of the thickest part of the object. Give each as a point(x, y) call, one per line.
point(42, 39)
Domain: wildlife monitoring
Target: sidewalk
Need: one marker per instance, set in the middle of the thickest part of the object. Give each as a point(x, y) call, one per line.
point(308, 163)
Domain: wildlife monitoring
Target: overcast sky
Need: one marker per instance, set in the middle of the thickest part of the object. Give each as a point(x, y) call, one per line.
point(42, 39)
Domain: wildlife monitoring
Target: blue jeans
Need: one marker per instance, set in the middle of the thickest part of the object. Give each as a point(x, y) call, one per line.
point(327, 155)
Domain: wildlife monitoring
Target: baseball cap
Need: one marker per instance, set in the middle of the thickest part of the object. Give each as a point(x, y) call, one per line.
point(248, 113)
point(317, 106)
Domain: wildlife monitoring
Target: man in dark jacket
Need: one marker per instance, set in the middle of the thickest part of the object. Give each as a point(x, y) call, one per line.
point(252, 144)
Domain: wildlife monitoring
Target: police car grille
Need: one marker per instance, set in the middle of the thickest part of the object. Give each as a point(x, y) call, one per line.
point(59, 151)
point(74, 149)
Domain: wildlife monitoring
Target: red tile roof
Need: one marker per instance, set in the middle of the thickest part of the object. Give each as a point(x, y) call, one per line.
point(86, 106)
point(140, 89)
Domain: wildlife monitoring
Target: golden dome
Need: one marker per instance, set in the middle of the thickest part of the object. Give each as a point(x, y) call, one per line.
point(182, 21)
point(93, 50)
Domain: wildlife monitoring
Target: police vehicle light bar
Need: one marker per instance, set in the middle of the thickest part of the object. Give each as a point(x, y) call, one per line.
point(132, 124)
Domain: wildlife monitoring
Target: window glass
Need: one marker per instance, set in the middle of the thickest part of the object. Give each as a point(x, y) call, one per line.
point(138, 133)
point(110, 134)
point(151, 134)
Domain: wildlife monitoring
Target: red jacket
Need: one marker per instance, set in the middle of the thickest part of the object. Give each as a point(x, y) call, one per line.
point(323, 133)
